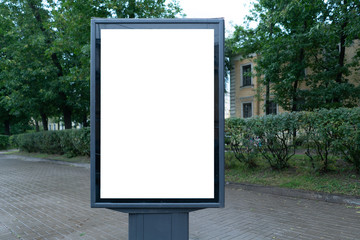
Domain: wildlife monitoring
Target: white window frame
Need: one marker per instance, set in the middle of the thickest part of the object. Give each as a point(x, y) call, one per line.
point(242, 109)
point(241, 75)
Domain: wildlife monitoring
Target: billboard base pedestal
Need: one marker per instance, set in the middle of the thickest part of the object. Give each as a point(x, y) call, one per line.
point(156, 226)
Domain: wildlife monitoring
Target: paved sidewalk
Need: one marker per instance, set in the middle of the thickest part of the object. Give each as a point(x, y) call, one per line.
point(44, 200)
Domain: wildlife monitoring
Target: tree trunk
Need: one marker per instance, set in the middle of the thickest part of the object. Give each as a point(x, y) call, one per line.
point(341, 61)
point(132, 6)
point(84, 121)
point(294, 106)
point(267, 96)
point(267, 99)
point(7, 127)
point(44, 120)
point(67, 117)
point(37, 128)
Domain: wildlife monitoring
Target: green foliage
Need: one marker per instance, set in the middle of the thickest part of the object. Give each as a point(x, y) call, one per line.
point(4, 142)
point(303, 43)
point(271, 136)
point(326, 135)
point(242, 141)
point(75, 142)
point(320, 130)
point(332, 132)
point(13, 141)
point(45, 56)
point(347, 140)
point(72, 142)
point(231, 161)
point(275, 133)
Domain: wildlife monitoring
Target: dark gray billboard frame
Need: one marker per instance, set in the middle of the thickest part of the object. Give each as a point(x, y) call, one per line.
point(148, 217)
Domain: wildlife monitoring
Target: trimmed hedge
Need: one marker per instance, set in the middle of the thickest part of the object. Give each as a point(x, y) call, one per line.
point(270, 136)
point(323, 133)
point(4, 142)
point(72, 142)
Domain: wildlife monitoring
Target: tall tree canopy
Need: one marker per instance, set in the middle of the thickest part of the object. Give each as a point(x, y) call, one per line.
point(45, 55)
point(301, 47)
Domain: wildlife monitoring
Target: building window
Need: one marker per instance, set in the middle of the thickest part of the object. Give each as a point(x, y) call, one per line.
point(247, 110)
point(246, 75)
point(271, 108)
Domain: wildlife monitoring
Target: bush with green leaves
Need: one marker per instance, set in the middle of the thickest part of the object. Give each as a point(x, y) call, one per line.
point(75, 142)
point(333, 132)
point(13, 141)
point(44, 142)
point(275, 133)
point(320, 129)
point(4, 142)
point(347, 140)
point(325, 134)
point(242, 140)
point(270, 136)
point(72, 142)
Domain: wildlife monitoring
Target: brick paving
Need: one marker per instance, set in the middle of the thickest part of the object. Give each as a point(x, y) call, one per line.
point(44, 200)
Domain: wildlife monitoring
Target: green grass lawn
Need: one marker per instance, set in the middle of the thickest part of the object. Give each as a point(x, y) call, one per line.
point(341, 179)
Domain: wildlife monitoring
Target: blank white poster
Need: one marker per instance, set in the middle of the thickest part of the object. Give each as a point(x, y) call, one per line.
point(157, 113)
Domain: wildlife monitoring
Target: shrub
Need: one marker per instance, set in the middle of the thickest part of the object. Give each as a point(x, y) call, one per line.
point(75, 142)
point(332, 132)
point(26, 143)
point(4, 142)
point(81, 141)
point(347, 141)
point(72, 142)
point(270, 136)
point(242, 141)
point(324, 133)
point(275, 133)
point(13, 141)
point(230, 161)
point(319, 130)
point(49, 142)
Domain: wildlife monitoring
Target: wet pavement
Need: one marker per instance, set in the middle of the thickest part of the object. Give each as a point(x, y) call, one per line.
point(45, 200)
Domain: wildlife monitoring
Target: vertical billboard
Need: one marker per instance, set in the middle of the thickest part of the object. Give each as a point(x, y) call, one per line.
point(157, 108)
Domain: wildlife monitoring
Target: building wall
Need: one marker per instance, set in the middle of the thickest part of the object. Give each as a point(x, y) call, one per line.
point(232, 92)
point(350, 53)
point(240, 94)
point(256, 93)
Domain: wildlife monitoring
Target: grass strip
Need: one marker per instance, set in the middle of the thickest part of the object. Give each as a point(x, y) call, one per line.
point(340, 180)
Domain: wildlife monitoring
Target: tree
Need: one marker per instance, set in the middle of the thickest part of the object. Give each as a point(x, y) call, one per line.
point(12, 58)
point(27, 69)
point(330, 86)
point(72, 42)
point(144, 8)
point(45, 55)
point(295, 42)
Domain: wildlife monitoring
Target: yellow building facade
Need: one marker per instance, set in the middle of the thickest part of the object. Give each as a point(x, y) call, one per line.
point(247, 94)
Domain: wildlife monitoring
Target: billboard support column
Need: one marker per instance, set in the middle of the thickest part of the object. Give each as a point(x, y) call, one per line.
point(159, 225)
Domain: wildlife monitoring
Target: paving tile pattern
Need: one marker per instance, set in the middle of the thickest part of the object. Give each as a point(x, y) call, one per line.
point(42, 200)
